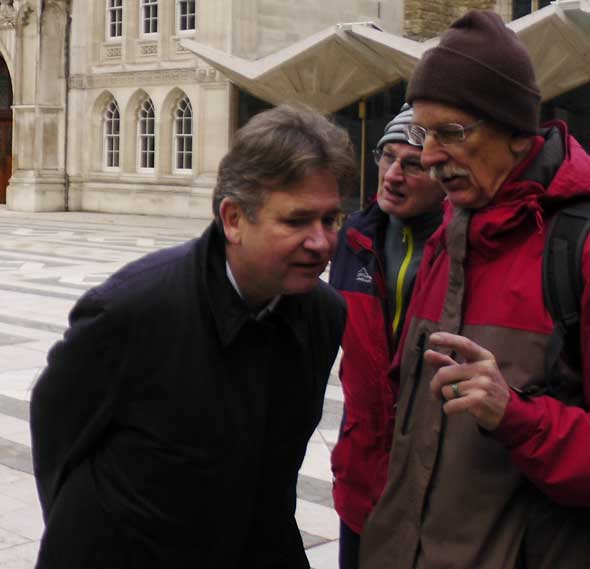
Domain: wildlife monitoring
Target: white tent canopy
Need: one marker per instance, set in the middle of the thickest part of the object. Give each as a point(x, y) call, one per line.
point(348, 62)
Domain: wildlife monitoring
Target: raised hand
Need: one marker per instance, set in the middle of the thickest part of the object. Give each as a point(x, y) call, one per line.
point(476, 386)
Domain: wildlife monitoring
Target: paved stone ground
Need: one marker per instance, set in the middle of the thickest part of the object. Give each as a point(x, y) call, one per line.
point(47, 260)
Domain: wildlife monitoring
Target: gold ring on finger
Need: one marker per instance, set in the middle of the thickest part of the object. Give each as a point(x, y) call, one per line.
point(455, 388)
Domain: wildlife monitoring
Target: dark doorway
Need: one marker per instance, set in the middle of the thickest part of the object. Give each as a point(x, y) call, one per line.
point(5, 129)
point(574, 108)
point(521, 8)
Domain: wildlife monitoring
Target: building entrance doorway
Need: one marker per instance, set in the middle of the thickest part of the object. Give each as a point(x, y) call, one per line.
point(5, 129)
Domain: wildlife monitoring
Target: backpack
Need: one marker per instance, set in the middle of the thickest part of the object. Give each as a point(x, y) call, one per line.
point(562, 284)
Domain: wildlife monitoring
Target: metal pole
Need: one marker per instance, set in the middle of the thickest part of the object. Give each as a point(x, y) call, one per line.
point(363, 117)
point(67, 73)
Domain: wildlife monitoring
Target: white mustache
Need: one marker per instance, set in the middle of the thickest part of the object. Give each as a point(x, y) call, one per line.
point(439, 172)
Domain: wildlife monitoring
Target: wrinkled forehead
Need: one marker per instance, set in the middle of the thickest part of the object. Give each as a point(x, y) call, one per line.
point(434, 113)
point(402, 150)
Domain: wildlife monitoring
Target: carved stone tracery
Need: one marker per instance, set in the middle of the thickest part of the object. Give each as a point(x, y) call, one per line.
point(23, 13)
point(159, 77)
point(7, 14)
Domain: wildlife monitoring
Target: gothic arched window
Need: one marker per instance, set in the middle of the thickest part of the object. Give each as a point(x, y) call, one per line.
point(183, 135)
point(111, 135)
point(146, 134)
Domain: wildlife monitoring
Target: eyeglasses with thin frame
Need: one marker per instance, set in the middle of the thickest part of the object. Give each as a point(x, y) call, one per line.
point(451, 133)
point(410, 166)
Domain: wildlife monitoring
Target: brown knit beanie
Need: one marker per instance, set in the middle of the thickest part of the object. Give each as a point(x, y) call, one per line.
point(480, 66)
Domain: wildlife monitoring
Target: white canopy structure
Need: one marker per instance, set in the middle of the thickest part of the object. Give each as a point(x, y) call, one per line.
point(342, 64)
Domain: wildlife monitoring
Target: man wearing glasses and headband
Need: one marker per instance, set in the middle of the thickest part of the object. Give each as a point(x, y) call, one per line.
point(375, 265)
point(490, 467)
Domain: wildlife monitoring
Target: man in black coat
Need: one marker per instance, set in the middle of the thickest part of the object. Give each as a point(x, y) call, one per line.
point(172, 419)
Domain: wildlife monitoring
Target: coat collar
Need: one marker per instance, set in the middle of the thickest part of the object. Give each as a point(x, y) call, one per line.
point(228, 310)
point(557, 170)
point(366, 229)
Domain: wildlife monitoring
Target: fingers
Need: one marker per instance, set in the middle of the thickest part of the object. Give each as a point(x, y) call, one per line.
point(465, 402)
point(469, 350)
point(456, 373)
point(485, 400)
point(458, 389)
point(452, 391)
point(436, 359)
point(476, 386)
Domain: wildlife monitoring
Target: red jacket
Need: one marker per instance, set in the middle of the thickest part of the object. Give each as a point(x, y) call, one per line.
point(457, 496)
point(361, 456)
point(544, 436)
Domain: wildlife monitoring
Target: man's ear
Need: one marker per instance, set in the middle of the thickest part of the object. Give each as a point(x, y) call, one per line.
point(231, 215)
point(521, 145)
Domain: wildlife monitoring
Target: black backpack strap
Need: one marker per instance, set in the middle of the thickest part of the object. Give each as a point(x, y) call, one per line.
point(562, 284)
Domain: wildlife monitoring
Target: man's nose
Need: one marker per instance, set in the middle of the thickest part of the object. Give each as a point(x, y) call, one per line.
point(433, 152)
point(319, 238)
point(395, 172)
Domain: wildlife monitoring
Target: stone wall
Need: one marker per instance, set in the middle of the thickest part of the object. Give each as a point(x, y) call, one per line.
point(427, 19)
point(504, 8)
point(262, 27)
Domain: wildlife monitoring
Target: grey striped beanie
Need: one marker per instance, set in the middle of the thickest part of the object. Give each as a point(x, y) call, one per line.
point(394, 131)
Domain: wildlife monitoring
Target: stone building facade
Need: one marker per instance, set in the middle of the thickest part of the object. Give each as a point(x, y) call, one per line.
point(103, 107)
point(266, 26)
point(147, 122)
point(104, 110)
point(425, 20)
point(33, 91)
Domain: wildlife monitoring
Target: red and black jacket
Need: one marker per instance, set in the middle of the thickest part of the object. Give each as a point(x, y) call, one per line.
point(359, 460)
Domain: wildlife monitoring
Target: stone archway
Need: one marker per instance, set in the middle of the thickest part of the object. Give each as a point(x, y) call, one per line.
point(6, 96)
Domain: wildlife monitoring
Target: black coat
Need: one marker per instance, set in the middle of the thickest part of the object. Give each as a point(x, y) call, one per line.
point(169, 425)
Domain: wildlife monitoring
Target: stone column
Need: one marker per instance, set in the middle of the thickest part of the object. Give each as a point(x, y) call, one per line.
point(38, 181)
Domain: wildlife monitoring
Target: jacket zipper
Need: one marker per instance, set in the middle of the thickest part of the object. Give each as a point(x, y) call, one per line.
point(407, 238)
point(416, 376)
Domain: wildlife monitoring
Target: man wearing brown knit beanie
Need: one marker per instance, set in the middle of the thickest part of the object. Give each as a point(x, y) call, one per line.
point(489, 466)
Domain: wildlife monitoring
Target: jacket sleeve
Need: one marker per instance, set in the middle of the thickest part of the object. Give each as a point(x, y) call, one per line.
point(73, 399)
point(338, 264)
point(549, 441)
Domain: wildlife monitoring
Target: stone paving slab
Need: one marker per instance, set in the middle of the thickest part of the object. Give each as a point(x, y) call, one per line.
point(47, 260)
